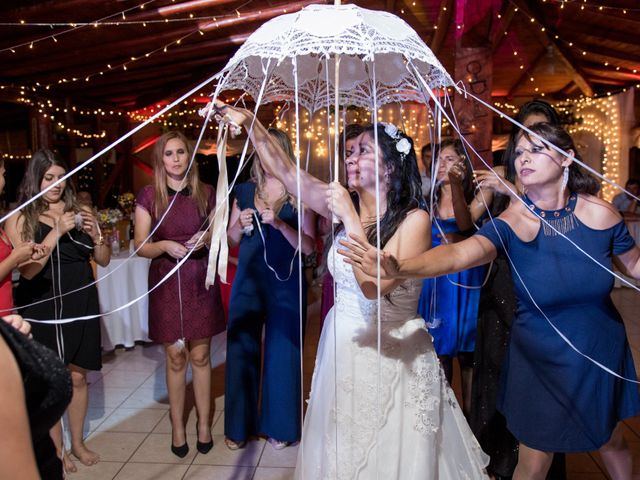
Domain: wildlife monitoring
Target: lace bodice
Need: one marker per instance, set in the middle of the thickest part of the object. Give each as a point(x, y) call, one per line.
point(400, 305)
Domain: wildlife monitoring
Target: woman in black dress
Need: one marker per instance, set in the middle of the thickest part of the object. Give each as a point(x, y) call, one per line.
point(41, 390)
point(51, 220)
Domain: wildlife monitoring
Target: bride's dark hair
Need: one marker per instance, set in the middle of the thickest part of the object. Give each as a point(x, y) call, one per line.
point(404, 191)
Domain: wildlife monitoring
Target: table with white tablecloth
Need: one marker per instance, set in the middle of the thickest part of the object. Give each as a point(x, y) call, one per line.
point(634, 230)
point(120, 282)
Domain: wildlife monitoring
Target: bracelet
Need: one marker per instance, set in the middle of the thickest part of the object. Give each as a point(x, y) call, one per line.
point(99, 242)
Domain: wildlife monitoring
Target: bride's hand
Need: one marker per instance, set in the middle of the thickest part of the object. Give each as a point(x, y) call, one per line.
point(339, 202)
point(361, 254)
point(234, 115)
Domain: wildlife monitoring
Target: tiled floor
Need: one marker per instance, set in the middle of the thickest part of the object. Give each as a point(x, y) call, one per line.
point(128, 421)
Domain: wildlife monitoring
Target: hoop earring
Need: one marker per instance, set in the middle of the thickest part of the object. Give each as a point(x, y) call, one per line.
point(565, 178)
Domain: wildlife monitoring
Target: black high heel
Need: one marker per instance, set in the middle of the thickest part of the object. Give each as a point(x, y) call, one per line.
point(182, 450)
point(203, 447)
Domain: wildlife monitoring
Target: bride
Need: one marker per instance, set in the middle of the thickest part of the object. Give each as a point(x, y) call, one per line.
point(374, 415)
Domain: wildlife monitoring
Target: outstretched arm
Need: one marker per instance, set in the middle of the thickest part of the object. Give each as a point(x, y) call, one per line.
point(438, 261)
point(275, 160)
point(412, 237)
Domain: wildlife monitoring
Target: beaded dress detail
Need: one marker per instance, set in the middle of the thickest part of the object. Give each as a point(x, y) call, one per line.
point(562, 220)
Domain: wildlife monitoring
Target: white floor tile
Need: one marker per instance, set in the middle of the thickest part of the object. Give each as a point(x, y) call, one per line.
point(132, 420)
point(206, 472)
point(153, 471)
point(248, 456)
point(156, 448)
point(115, 446)
point(268, 473)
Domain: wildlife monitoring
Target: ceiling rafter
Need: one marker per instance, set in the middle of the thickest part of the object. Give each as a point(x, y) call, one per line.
point(498, 34)
point(563, 53)
point(445, 13)
point(527, 73)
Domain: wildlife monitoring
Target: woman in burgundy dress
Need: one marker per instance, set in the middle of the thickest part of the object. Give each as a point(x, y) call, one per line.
point(183, 315)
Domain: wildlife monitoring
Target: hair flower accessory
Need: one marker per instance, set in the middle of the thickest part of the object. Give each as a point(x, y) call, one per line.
point(391, 130)
point(403, 146)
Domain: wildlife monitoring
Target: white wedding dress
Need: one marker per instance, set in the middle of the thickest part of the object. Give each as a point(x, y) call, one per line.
point(387, 416)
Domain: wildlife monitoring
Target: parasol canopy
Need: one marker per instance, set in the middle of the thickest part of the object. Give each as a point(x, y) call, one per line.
point(310, 40)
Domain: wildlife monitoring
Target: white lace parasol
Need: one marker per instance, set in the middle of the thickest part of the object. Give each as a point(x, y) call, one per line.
point(314, 36)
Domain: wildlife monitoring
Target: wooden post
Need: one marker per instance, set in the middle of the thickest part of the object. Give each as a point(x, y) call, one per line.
point(474, 67)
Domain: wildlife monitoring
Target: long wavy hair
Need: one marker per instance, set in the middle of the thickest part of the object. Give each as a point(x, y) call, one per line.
point(258, 175)
point(467, 182)
point(404, 192)
point(195, 186)
point(580, 181)
point(40, 162)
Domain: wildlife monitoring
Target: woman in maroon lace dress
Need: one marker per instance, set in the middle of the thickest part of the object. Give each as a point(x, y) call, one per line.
point(183, 315)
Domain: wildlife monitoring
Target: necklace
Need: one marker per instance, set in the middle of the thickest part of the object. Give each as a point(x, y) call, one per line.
point(558, 221)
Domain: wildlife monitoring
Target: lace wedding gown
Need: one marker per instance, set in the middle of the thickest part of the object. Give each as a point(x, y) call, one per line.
point(387, 416)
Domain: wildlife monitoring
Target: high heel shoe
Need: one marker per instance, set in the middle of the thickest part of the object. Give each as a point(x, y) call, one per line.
point(180, 451)
point(203, 447)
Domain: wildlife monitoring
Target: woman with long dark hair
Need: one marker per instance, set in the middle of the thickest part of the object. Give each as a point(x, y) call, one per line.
point(449, 304)
point(386, 413)
point(554, 395)
point(71, 235)
point(183, 314)
point(496, 312)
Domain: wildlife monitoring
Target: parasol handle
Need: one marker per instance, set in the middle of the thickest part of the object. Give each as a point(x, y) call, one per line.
point(336, 120)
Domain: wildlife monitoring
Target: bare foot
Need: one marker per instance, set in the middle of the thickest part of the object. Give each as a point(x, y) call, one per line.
point(86, 456)
point(67, 463)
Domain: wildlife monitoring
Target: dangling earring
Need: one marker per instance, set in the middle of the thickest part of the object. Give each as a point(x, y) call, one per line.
point(565, 178)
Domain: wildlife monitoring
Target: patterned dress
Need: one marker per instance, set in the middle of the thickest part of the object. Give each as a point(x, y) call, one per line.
point(387, 415)
point(181, 307)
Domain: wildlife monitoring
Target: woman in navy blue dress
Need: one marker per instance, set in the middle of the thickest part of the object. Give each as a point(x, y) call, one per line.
point(553, 397)
point(449, 304)
point(264, 296)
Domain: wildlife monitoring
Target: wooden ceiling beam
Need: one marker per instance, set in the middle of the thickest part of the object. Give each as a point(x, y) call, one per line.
point(180, 8)
point(256, 15)
point(146, 73)
point(526, 74)
point(49, 69)
point(562, 52)
point(124, 87)
point(445, 13)
point(508, 14)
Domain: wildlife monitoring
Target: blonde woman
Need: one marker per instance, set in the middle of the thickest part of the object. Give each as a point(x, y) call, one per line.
point(183, 315)
point(264, 297)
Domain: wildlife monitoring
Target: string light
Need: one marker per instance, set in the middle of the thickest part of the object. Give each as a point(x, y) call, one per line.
point(74, 27)
point(125, 65)
point(581, 51)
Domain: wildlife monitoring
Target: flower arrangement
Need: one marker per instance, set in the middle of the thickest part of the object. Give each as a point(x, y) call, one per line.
point(127, 202)
point(109, 216)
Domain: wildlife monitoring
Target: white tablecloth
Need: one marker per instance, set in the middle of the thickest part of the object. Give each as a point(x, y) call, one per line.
point(634, 230)
point(129, 281)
